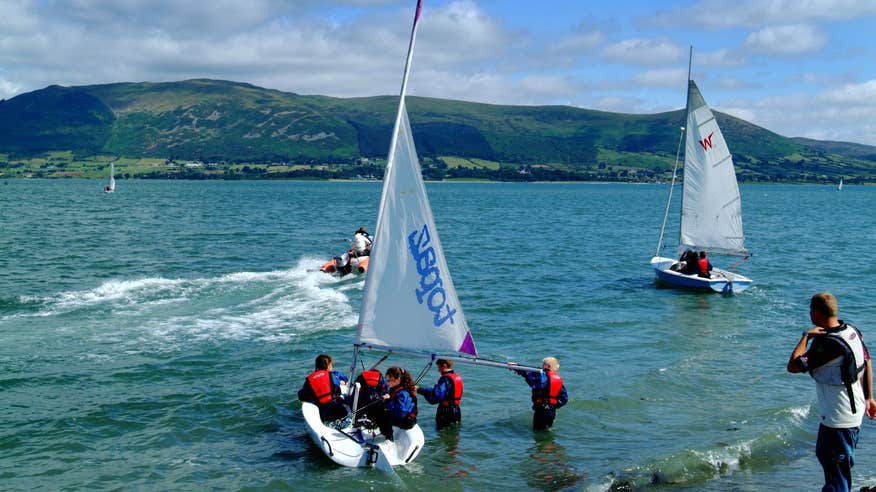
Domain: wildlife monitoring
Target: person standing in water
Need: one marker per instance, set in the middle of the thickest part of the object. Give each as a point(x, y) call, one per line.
point(447, 394)
point(548, 392)
point(838, 361)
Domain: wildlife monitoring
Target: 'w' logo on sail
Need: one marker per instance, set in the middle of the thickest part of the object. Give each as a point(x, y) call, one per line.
point(707, 142)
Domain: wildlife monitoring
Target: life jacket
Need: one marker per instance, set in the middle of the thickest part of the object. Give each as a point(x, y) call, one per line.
point(846, 369)
point(410, 419)
point(454, 398)
point(371, 378)
point(704, 265)
point(552, 392)
point(321, 384)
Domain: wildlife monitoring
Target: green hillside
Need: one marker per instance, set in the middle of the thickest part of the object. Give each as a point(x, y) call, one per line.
point(208, 128)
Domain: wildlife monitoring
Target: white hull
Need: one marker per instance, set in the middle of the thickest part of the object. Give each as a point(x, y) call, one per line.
point(356, 447)
point(722, 281)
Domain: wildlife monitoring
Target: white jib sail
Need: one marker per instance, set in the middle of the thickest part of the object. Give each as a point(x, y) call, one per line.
point(409, 299)
point(711, 216)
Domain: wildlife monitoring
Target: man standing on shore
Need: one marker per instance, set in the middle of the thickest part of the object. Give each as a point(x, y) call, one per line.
point(839, 363)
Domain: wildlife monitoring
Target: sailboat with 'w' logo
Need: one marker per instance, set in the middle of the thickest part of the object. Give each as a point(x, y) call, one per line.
point(711, 207)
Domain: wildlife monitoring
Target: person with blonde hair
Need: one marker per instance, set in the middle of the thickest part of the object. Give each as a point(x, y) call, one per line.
point(548, 392)
point(839, 362)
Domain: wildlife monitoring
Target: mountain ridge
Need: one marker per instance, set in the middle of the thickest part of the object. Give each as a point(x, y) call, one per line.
point(215, 121)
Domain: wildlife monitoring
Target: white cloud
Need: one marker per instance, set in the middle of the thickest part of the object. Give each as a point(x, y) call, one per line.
point(843, 114)
point(785, 40)
point(722, 14)
point(644, 52)
point(669, 77)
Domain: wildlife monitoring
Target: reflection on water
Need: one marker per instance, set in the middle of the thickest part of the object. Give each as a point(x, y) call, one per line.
point(550, 468)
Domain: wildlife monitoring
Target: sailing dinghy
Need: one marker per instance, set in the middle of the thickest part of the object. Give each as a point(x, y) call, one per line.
point(111, 187)
point(711, 207)
point(409, 304)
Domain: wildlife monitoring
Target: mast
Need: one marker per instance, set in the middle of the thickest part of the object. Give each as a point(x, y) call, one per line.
point(686, 116)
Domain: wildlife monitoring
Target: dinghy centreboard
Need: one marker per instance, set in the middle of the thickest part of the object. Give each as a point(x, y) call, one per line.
point(711, 206)
point(409, 304)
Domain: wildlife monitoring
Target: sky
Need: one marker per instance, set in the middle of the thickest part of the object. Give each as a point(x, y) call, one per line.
point(801, 68)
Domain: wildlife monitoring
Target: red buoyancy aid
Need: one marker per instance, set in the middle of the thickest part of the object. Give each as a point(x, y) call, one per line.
point(372, 378)
point(704, 265)
point(555, 385)
point(321, 384)
point(456, 397)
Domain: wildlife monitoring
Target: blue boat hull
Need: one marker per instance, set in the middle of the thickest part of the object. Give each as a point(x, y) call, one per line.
point(721, 281)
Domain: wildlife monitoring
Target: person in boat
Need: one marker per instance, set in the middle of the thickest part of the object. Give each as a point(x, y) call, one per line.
point(447, 394)
point(839, 362)
point(361, 243)
point(401, 402)
point(548, 392)
point(704, 267)
point(370, 405)
point(687, 264)
point(324, 388)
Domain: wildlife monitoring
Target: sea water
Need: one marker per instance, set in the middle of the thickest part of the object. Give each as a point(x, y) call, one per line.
point(155, 338)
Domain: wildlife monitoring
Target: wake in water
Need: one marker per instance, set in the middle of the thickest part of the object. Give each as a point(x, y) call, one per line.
point(272, 306)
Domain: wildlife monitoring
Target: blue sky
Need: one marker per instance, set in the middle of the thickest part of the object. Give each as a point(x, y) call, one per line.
point(799, 68)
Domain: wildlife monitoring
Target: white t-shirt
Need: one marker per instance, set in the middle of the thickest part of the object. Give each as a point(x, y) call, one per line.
point(360, 242)
point(834, 408)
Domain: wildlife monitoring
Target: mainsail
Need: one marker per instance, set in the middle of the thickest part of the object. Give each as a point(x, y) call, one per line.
point(112, 180)
point(711, 217)
point(409, 300)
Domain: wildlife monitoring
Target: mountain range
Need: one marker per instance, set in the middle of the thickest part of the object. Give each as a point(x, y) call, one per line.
point(231, 124)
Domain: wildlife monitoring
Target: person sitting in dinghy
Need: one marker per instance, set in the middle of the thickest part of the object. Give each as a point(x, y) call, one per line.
point(704, 267)
point(361, 243)
point(370, 406)
point(548, 392)
point(324, 388)
point(401, 402)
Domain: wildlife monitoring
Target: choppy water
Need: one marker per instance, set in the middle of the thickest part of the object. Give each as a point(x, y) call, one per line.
point(154, 339)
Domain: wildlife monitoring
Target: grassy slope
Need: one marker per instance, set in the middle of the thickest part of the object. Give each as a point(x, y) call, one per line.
point(235, 122)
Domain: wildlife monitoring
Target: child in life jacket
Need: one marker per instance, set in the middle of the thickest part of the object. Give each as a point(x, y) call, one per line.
point(370, 405)
point(401, 402)
point(548, 392)
point(447, 394)
point(323, 387)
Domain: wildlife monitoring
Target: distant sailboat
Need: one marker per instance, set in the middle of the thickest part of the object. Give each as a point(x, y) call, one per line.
point(409, 304)
point(111, 187)
point(711, 210)
point(839, 187)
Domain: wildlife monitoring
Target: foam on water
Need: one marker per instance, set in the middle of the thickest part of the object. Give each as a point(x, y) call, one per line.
point(272, 306)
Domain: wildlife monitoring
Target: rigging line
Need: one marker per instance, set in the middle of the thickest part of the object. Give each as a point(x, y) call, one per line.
point(424, 371)
point(733, 266)
point(671, 186)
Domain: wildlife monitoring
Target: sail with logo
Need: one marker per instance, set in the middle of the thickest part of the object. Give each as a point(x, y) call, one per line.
point(409, 304)
point(711, 207)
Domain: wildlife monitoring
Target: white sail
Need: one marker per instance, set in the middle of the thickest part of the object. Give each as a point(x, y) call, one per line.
point(409, 299)
point(112, 180)
point(711, 216)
